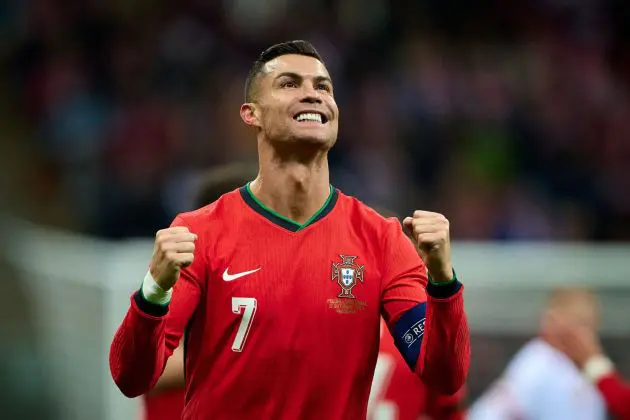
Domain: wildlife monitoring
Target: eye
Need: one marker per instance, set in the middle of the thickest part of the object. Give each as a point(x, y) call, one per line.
point(324, 86)
point(288, 84)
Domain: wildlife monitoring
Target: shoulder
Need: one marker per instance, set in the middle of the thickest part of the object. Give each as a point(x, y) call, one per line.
point(364, 216)
point(384, 235)
point(518, 388)
point(227, 206)
point(537, 363)
point(526, 361)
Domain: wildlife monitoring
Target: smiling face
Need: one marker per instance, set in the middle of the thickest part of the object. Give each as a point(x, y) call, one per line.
point(293, 102)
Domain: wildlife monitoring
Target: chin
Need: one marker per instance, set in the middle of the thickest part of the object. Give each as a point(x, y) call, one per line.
point(313, 138)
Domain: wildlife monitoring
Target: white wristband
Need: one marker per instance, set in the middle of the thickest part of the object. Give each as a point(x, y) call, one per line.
point(597, 367)
point(152, 292)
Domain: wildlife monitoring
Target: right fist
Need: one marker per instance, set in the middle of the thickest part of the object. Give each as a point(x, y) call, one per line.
point(174, 249)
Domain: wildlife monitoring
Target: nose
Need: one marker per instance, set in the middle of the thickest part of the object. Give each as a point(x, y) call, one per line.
point(311, 99)
point(310, 95)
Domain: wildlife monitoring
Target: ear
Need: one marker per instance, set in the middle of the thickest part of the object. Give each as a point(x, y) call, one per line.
point(248, 115)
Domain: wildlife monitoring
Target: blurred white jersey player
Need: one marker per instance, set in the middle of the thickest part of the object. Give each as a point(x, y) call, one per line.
point(541, 382)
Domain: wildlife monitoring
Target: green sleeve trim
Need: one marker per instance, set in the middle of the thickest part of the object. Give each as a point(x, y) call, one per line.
point(443, 283)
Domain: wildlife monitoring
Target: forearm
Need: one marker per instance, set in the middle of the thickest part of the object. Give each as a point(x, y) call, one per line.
point(613, 389)
point(445, 357)
point(138, 352)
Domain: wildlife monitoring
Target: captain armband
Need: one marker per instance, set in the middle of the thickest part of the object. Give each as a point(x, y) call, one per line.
point(408, 333)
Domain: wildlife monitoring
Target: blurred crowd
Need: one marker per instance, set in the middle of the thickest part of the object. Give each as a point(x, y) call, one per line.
point(513, 118)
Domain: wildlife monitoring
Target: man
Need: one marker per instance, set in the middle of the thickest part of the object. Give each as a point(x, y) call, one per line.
point(280, 286)
point(166, 400)
point(541, 382)
point(581, 344)
point(398, 394)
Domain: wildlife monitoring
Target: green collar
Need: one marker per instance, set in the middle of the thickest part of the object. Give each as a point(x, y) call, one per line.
point(253, 202)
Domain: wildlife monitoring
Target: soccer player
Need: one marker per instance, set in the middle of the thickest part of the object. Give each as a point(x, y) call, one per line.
point(398, 394)
point(541, 382)
point(279, 287)
point(166, 400)
point(581, 344)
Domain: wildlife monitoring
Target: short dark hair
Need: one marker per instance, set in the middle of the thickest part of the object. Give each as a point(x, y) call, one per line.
point(298, 47)
point(223, 179)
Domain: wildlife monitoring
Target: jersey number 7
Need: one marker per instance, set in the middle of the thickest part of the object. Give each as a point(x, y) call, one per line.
point(248, 307)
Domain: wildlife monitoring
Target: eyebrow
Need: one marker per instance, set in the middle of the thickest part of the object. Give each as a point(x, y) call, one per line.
point(296, 76)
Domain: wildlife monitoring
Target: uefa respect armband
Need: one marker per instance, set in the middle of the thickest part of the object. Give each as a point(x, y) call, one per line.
point(409, 332)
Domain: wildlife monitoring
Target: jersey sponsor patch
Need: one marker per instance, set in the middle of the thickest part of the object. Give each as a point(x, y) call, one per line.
point(409, 332)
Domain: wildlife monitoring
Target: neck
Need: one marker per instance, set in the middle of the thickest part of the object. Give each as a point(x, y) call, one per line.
point(295, 184)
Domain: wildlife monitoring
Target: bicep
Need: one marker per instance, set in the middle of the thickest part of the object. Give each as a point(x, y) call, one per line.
point(404, 275)
point(401, 294)
point(405, 309)
point(404, 298)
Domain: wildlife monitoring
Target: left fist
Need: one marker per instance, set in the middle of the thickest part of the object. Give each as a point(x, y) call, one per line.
point(431, 234)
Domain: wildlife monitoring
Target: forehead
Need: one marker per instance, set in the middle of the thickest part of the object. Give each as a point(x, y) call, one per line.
point(581, 306)
point(302, 65)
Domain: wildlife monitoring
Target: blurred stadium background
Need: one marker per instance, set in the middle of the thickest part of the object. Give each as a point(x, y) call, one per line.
point(512, 118)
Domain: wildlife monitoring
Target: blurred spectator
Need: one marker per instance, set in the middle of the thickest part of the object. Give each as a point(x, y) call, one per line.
point(512, 118)
point(583, 346)
point(541, 381)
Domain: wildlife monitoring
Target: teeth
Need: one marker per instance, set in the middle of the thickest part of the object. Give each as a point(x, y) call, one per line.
point(309, 117)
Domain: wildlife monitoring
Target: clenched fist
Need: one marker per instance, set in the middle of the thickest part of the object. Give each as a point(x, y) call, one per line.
point(431, 233)
point(174, 249)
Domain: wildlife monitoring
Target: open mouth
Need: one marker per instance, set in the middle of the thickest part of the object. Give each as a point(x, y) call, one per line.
point(311, 117)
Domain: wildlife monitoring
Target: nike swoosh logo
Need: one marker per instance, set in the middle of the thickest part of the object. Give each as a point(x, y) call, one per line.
point(231, 277)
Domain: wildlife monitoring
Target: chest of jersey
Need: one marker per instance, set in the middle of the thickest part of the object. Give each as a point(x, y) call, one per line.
point(288, 320)
point(318, 284)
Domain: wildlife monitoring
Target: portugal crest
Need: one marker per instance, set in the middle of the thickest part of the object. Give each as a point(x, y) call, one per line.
point(347, 273)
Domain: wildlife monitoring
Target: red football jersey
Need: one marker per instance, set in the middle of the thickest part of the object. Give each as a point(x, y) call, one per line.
point(398, 394)
point(616, 393)
point(282, 320)
point(167, 405)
